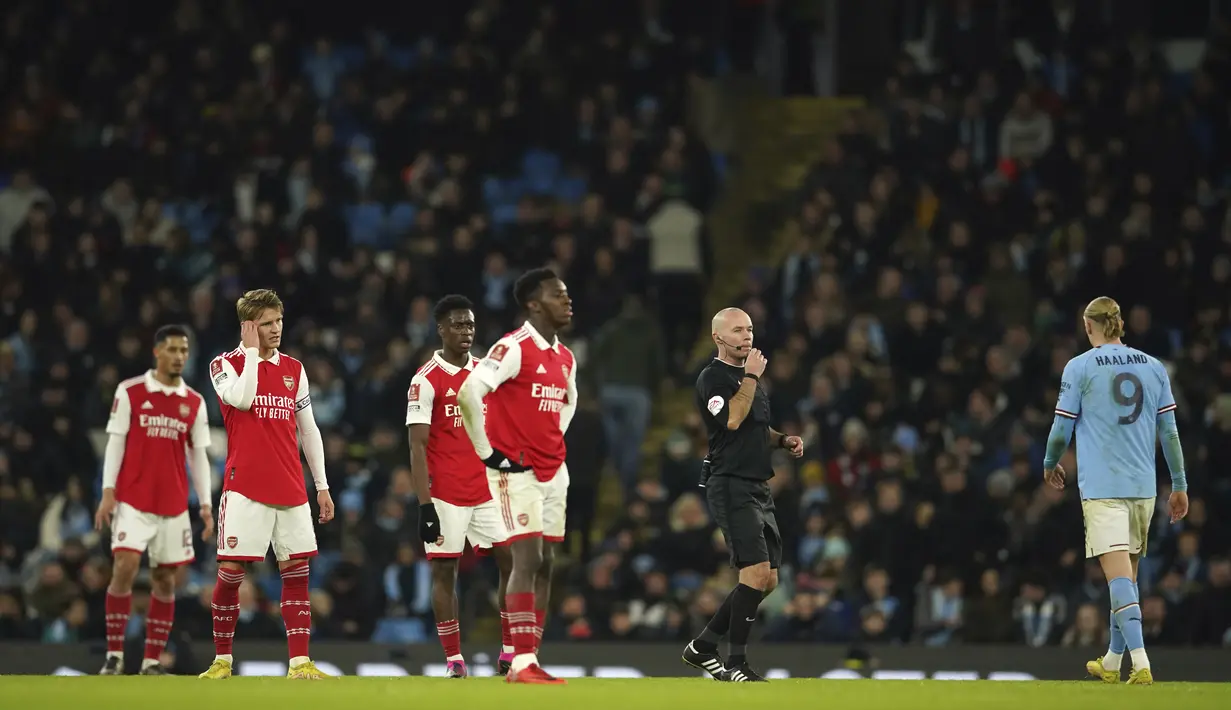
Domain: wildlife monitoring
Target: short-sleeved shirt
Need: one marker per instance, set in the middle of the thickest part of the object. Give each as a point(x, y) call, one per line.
point(744, 452)
point(1116, 394)
point(158, 423)
point(455, 473)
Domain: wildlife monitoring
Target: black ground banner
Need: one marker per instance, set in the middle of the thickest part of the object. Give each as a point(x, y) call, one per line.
point(1004, 663)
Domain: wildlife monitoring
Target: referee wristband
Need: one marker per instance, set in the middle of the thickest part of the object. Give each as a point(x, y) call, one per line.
point(782, 441)
point(755, 378)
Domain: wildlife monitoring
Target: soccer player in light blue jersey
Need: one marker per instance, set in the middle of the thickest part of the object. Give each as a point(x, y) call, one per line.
point(1119, 399)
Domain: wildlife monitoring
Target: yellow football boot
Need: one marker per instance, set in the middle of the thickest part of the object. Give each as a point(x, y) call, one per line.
point(1096, 669)
point(1140, 676)
point(307, 671)
point(219, 669)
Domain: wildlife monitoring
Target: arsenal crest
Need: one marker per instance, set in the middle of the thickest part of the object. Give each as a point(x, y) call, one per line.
point(232, 542)
point(523, 519)
point(564, 368)
point(184, 411)
point(289, 382)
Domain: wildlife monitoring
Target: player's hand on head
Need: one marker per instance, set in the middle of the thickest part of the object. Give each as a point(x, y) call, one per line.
point(755, 364)
point(248, 334)
point(207, 522)
point(500, 461)
point(106, 508)
point(325, 501)
point(1177, 504)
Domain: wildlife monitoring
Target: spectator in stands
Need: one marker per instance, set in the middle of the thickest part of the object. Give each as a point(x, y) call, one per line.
point(626, 361)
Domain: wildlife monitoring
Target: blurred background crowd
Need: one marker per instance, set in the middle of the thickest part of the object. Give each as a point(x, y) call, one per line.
point(933, 264)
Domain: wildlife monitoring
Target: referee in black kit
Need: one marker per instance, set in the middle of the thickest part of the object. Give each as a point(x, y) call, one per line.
point(736, 477)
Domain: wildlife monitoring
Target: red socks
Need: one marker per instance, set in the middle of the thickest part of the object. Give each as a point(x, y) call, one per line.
point(296, 609)
point(117, 610)
point(540, 621)
point(522, 622)
point(226, 609)
point(158, 626)
point(450, 633)
point(506, 635)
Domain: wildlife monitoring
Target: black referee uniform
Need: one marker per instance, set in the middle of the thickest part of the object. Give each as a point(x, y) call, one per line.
point(736, 476)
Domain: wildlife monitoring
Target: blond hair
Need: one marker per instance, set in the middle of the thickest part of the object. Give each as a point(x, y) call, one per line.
point(1106, 312)
point(252, 304)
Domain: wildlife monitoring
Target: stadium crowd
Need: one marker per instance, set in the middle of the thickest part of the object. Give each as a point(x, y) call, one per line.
point(152, 172)
point(915, 334)
point(944, 248)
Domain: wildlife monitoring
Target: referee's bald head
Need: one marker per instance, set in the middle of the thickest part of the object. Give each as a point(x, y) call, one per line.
point(731, 330)
point(723, 319)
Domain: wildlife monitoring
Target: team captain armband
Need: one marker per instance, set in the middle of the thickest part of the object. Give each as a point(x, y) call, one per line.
point(303, 403)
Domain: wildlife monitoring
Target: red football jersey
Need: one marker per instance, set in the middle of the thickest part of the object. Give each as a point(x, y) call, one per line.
point(158, 423)
point(263, 461)
point(455, 472)
point(533, 382)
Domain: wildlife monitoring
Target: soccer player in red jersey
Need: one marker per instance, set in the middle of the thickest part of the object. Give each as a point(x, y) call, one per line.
point(266, 406)
point(155, 420)
point(529, 380)
point(455, 501)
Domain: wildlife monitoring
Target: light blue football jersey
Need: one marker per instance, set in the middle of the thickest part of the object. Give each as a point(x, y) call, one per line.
point(1116, 394)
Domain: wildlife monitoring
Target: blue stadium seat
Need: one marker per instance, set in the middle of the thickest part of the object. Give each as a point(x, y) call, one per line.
point(515, 189)
point(270, 585)
point(199, 220)
point(401, 219)
point(399, 631)
point(365, 223)
point(504, 215)
point(173, 211)
point(571, 190)
point(354, 56)
point(493, 190)
point(322, 565)
point(540, 166)
point(401, 58)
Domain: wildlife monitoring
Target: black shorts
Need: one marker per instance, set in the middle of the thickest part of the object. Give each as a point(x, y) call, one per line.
point(744, 511)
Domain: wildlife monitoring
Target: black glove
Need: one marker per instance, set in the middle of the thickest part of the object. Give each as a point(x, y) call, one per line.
point(502, 462)
point(705, 472)
point(429, 523)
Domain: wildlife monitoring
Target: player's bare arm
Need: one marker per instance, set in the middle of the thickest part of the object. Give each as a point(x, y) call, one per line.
point(741, 402)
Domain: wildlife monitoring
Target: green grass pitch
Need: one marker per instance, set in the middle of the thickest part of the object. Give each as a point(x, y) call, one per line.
point(180, 693)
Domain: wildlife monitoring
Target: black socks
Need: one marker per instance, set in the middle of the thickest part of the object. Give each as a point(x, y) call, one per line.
point(744, 603)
